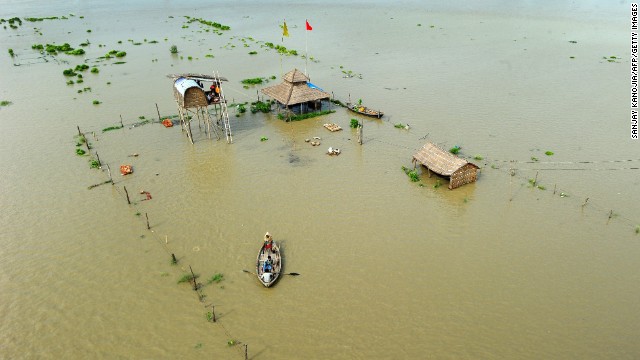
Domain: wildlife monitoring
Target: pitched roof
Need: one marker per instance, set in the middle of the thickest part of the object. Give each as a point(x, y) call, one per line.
point(294, 90)
point(439, 161)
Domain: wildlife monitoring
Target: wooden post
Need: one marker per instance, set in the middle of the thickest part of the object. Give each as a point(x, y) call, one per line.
point(173, 259)
point(554, 188)
point(610, 214)
point(121, 124)
point(158, 110)
point(98, 156)
point(147, 216)
point(585, 202)
point(193, 276)
point(246, 357)
point(79, 132)
point(86, 142)
point(535, 181)
point(213, 312)
point(127, 193)
point(109, 172)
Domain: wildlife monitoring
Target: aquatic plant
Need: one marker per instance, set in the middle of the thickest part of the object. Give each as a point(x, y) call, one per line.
point(75, 52)
point(478, 157)
point(264, 138)
point(116, 127)
point(173, 49)
point(94, 164)
point(261, 106)
point(209, 56)
point(81, 67)
point(188, 278)
point(354, 124)
point(215, 278)
point(95, 70)
point(69, 72)
point(242, 108)
point(637, 229)
point(96, 102)
point(120, 54)
point(11, 53)
point(80, 152)
point(198, 346)
point(548, 153)
point(437, 184)
point(533, 158)
point(542, 187)
point(232, 342)
point(399, 126)
point(304, 116)
point(37, 47)
point(253, 52)
point(5, 103)
point(252, 81)
point(455, 150)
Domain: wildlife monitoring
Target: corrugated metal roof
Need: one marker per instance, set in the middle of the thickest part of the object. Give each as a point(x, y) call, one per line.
point(182, 84)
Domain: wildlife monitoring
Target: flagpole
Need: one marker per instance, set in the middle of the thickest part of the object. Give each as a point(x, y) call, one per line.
point(284, 26)
point(306, 50)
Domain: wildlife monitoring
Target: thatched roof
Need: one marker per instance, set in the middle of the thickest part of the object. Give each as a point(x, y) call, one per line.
point(439, 161)
point(294, 90)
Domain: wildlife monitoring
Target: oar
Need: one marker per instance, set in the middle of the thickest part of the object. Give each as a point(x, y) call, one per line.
point(249, 272)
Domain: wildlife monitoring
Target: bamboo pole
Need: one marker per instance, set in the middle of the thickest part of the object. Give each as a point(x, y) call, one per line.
point(79, 132)
point(109, 172)
point(147, 216)
point(193, 276)
point(246, 356)
point(121, 124)
point(213, 312)
point(173, 259)
point(99, 163)
point(158, 110)
point(127, 193)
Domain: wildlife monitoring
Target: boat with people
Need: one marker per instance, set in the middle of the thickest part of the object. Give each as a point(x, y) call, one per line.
point(363, 110)
point(269, 262)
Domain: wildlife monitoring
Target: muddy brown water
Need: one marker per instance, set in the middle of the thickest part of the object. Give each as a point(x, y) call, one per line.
point(389, 269)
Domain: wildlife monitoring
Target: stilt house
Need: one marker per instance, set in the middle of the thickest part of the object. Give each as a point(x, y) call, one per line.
point(296, 90)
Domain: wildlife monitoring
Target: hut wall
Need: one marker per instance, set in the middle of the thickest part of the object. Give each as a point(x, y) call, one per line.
point(194, 97)
point(464, 175)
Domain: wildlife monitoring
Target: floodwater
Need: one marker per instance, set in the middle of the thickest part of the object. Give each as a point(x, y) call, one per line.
point(389, 269)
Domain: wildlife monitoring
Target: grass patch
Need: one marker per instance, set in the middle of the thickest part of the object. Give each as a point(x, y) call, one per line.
point(412, 174)
point(173, 49)
point(455, 150)
point(5, 103)
point(96, 102)
point(215, 278)
point(354, 124)
point(548, 153)
point(264, 138)
point(80, 152)
point(253, 81)
point(95, 70)
point(399, 126)
point(94, 164)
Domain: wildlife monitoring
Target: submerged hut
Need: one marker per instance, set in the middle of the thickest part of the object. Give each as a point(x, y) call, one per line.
point(296, 90)
point(193, 102)
point(459, 171)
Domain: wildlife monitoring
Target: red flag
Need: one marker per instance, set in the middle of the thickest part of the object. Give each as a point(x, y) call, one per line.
point(308, 26)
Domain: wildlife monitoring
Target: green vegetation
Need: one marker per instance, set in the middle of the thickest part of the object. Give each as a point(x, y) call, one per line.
point(76, 52)
point(5, 103)
point(437, 184)
point(637, 229)
point(281, 49)
point(264, 138)
point(95, 70)
point(354, 124)
point(548, 153)
point(253, 53)
point(120, 54)
point(253, 81)
point(215, 278)
point(96, 102)
point(94, 164)
point(533, 158)
point(215, 25)
point(188, 278)
point(81, 67)
point(173, 49)
point(304, 116)
point(478, 157)
point(232, 342)
point(80, 152)
point(11, 53)
point(412, 174)
point(261, 106)
point(242, 108)
point(116, 127)
point(455, 150)
point(69, 72)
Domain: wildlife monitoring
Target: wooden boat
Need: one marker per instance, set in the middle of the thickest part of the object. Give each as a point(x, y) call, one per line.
point(363, 110)
point(276, 261)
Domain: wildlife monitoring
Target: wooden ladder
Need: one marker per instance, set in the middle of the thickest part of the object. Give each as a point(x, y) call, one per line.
point(224, 112)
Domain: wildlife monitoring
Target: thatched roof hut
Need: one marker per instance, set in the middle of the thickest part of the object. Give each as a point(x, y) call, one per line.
point(444, 163)
point(294, 90)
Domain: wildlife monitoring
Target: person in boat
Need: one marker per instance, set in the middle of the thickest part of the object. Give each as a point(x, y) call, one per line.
point(268, 242)
point(266, 277)
point(267, 267)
